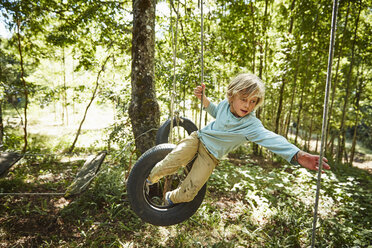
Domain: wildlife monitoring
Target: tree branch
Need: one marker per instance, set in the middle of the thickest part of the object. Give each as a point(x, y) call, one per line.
point(90, 103)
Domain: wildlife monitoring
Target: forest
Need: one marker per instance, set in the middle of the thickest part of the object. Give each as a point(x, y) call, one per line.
point(82, 78)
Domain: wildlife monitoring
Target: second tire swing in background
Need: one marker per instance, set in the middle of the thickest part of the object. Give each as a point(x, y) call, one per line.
point(162, 135)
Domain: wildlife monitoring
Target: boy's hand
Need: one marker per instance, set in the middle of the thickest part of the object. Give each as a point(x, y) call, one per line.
point(310, 161)
point(199, 91)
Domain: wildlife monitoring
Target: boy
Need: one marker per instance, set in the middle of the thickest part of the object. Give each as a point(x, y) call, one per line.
point(235, 123)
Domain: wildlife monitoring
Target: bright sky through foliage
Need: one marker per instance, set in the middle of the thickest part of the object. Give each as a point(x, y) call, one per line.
point(4, 33)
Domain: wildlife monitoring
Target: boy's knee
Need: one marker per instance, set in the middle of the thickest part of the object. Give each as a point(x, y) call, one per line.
point(189, 196)
point(189, 193)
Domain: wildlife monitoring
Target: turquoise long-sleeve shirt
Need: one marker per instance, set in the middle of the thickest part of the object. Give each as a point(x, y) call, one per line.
point(228, 132)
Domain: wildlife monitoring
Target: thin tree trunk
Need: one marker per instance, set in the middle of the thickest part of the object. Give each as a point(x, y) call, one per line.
point(299, 116)
point(282, 87)
point(73, 102)
point(1, 112)
point(311, 121)
point(346, 159)
point(268, 19)
point(261, 67)
point(72, 147)
point(1, 126)
point(255, 147)
point(332, 143)
point(64, 111)
point(254, 40)
point(267, 24)
point(280, 103)
point(342, 138)
point(18, 21)
point(312, 115)
point(292, 17)
point(335, 81)
point(357, 99)
point(288, 122)
point(184, 99)
point(304, 88)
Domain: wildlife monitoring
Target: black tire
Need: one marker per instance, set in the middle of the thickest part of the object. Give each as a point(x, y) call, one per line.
point(163, 132)
point(142, 203)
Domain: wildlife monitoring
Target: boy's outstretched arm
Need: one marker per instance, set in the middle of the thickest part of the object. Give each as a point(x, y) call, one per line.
point(310, 161)
point(198, 92)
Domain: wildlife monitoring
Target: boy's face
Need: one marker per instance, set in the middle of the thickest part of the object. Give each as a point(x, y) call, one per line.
point(242, 105)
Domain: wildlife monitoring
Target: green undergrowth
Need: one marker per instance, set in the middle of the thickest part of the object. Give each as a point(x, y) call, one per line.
point(247, 205)
point(281, 202)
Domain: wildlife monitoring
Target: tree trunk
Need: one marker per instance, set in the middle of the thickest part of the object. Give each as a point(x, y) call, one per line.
point(312, 115)
point(357, 99)
point(311, 121)
point(288, 122)
point(334, 85)
point(342, 138)
point(299, 116)
point(282, 87)
point(292, 17)
point(280, 103)
point(72, 147)
point(255, 147)
point(64, 106)
point(1, 126)
point(18, 21)
point(1, 112)
point(254, 40)
point(144, 109)
point(332, 144)
point(301, 106)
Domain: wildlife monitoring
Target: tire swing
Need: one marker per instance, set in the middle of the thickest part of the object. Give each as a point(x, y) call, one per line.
point(147, 201)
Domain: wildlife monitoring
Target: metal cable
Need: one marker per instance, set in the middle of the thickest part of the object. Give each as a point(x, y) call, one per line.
point(325, 115)
point(30, 194)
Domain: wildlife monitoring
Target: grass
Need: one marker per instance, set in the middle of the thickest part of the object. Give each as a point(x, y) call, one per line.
point(246, 206)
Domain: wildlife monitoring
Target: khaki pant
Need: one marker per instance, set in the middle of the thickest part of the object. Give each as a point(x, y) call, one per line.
point(181, 155)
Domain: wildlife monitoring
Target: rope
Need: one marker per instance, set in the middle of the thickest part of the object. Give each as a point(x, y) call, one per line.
point(174, 45)
point(201, 60)
point(325, 115)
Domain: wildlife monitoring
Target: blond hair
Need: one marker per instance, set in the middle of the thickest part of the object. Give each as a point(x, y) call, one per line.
point(248, 85)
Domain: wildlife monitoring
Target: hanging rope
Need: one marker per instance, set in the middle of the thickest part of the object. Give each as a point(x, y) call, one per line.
point(174, 46)
point(201, 60)
point(325, 115)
